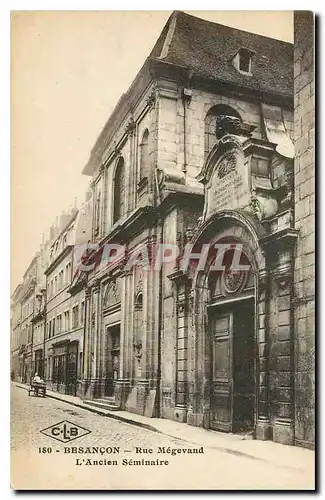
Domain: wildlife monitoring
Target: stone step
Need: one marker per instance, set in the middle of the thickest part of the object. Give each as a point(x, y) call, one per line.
point(104, 404)
point(110, 400)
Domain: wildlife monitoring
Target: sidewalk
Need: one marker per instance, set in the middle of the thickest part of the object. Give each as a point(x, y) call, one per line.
point(276, 454)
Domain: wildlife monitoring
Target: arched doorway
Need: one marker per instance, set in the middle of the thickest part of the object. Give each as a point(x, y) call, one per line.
point(223, 342)
point(230, 331)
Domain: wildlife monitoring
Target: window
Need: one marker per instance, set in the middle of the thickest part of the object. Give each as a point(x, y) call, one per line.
point(67, 321)
point(53, 327)
point(138, 305)
point(211, 130)
point(75, 317)
point(61, 279)
point(97, 214)
point(59, 323)
point(29, 333)
point(64, 242)
point(49, 329)
point(68, 273)
point(243, 61)
point(119, 191)
point(144, 155)
point(55, 284)
point(82, 312)
point(260, 167)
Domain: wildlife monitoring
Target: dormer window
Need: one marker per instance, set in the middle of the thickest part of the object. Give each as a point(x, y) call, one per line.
point(243, 61)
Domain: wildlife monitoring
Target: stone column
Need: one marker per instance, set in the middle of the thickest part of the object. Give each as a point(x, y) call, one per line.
point(101, 357)
point(122, 385)
point(182, 318)
point(86, 353)
point(99, 383)
point(263, 426)
point(198, 399)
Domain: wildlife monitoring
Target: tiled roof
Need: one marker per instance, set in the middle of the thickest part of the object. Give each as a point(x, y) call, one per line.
point(206, 48)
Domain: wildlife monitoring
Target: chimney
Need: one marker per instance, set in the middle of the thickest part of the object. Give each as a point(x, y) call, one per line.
point(62, 219)
point(88, 195)
point(52, 232)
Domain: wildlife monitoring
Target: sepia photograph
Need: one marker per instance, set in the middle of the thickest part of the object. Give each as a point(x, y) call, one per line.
point(162, 301)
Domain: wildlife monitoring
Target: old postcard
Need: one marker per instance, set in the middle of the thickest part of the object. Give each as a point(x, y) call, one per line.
point(163, 193)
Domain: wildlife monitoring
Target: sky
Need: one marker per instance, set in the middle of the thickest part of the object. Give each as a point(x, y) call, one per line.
point(68, 70)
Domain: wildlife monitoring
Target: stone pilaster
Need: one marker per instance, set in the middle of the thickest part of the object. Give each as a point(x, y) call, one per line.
point(263, 426)
point(282, 357)
point(84, 383)
point(304, 180)
point(183, 315)
point(198, 407)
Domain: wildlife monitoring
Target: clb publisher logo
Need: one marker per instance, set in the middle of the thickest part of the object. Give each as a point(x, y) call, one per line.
point(65, 431)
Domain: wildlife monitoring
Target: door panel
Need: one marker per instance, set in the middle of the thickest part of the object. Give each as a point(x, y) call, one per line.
point(71, 386)
point(112, 358)
point(244, 369)
point(222, 382)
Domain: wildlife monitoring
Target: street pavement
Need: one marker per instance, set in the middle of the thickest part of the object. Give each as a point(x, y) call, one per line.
point(40, 462)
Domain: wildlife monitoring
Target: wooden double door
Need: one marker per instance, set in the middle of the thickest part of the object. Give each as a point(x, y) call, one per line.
point(231, 333)
point(112, 358)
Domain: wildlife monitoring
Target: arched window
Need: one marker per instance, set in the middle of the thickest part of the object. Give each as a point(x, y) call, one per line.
point(119, 191)
point(97, 213)
point(210, 124)
point(138, 303)
point(144, 155)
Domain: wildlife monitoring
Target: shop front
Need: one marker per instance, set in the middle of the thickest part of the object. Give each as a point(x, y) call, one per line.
point(64, 367)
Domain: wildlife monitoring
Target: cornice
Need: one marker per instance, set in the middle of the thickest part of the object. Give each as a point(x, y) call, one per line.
point(58, 259)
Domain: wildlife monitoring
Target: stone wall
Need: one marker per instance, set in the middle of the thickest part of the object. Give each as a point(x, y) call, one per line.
point(304, 276)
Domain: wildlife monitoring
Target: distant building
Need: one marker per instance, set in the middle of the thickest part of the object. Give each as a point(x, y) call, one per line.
point(15, 340)
point(27, 301)
point(65, 304)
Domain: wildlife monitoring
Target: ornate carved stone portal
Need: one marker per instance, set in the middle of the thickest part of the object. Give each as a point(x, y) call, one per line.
point(241, 172)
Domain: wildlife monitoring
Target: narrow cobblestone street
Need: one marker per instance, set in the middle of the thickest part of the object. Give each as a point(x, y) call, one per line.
point(213, 469)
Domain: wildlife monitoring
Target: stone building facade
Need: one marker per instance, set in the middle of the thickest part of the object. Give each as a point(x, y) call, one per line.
point(27, 301)
point(15, 328)
point(199, 151)
point(63, 340)
point(206, 160)
point(304, 275)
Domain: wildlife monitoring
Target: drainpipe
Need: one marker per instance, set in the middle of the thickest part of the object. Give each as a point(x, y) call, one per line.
point(184, 134)
point(186, 99)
